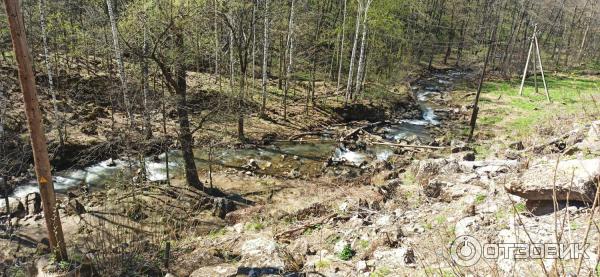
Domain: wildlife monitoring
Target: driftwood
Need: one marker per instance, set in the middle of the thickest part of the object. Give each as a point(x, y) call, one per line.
point(297, 136)
point(552, 141)
point(290, 232)
point(355, 131)
point(408, 145)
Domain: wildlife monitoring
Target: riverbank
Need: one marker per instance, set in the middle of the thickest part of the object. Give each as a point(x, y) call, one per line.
point(382, 217)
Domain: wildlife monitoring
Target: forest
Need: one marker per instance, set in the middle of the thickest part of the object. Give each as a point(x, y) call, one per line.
point(299, 138)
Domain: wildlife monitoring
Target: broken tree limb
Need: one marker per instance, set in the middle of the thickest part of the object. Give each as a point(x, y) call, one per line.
point(300, 135)
point(408, 145)
point(290, 232)
point(552, 141)
point(355, 131)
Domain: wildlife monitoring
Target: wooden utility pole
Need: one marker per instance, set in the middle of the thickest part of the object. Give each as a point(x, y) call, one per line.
point(481, 78)
point(36, 130)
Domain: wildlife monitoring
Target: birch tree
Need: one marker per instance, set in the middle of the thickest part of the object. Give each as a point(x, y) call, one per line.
point(353, 56)
point(120, 63)
point(216, 31)
point(361, 59)
point(265, 58)
point(341, 59)
point(290, 49)
point(58, 121)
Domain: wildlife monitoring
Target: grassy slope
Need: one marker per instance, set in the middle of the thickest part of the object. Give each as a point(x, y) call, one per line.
point(505, 116)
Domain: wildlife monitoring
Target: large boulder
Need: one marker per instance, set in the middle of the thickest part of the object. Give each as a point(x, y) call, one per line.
point(261, 256)
point(591, 142)
point(574, 180)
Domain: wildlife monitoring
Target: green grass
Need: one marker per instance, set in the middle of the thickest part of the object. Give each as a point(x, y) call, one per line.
point(408, 178)
point(255, 225)
point(347, 253)
point(322, 264)
point(381, 272)
point(480, 198)
point(504, 110)
point(213, 234)
point(520, 207)
point(440, 219)
point(363, 244)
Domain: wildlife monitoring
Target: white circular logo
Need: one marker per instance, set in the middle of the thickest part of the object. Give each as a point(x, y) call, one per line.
point(465, 251)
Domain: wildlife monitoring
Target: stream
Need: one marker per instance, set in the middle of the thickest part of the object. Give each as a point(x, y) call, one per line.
point(290, 159)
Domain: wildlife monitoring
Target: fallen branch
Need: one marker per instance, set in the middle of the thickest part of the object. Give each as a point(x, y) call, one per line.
point(408, 145)
point(290, 232)
point(552, 141)
point(297, 136)
point(355, 131)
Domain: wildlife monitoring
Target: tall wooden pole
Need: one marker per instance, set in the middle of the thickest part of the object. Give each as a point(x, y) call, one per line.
point(34, 122)
point(527, 63)
point(539, 57)
point(479, 87)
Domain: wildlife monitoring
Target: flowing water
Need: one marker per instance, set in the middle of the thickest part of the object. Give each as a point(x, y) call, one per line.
point(281, 159)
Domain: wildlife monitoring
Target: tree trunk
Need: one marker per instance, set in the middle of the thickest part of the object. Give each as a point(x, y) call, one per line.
point(361, 59)
point(216, 30)
point(290, 47)
point(36, 129)
point(341, 59)
point(145, 91)
point(253, 46)
point(265, 59)
point(313, 71)
point(352, 57)
point(58, 118)
point(450, 39)
point(185, 135)
point(120, 63)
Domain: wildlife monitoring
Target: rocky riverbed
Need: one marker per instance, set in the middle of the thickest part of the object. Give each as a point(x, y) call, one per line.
point(379, 198)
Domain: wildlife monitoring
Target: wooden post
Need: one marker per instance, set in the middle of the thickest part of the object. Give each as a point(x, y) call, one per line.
point(479, 87)
point(537, 47)
point(535, 81)
point(527, 63)
point(36, 130)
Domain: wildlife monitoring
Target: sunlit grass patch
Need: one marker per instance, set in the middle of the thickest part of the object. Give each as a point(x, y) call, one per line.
point(504, 110)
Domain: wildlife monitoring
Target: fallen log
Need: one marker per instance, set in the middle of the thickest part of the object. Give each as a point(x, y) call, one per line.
point(301, 228)
point(297, 136)
point(552, 141)
point(408, 145)
point(355, 131)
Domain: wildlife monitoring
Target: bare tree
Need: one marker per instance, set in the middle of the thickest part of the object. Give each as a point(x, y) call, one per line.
point(290, 49)
point(265, 58)
point(145, 90)
point(343, 36)
point(361, 59)
point(58, 121)
point(353, 56)
point(175, 78)
point(120, 63)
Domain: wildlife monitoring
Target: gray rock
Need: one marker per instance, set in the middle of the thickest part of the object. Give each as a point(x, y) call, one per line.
point(464, 226)
point(261, 253)
point(538, 182)
point(361, 266)
point(592, 139)
point(393, 258)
